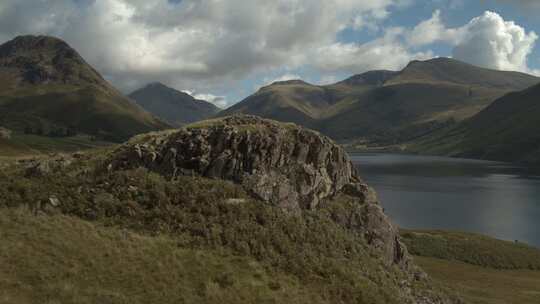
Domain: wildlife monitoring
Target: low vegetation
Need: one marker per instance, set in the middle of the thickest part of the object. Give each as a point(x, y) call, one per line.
point(310, 258)
point(27, 145)
point(472, 249)
point(480, 269)
point(59, 259)
point(481, 285)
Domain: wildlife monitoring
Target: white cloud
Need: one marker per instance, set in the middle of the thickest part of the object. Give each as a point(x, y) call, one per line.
point(284, 77)
point(219, 101)
point(387, 52)
point(433, 30)
point(487, 40)
point(194, 43)
point(328, 79)
point(211, 45)
point(492, 42)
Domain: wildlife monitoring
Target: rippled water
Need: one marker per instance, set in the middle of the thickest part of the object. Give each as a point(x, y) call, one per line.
point(423, 192)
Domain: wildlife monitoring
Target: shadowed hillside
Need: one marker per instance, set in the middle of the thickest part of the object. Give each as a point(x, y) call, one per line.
point(46, 88)
point(175, 107)
point(507, 130)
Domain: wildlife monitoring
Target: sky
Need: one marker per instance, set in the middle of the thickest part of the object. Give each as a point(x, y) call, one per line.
point(224, 50)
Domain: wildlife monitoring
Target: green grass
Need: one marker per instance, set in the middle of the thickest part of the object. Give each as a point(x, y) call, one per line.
point(481, 285)
point(472, 248)
point(311, 251)
point(25, 144)
point(481, 270)
point(59, 259)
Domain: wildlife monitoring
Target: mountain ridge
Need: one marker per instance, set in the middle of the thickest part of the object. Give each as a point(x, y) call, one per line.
point(382, 107)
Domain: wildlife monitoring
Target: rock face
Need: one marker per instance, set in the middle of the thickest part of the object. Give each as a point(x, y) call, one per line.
point(282, 164)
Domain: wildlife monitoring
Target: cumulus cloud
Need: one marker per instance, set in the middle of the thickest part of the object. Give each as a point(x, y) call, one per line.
point(433, 30)
point(388, 52)
point(492, 42)
point(212, 45)
point(219, 101)
point(189, 43)
point(487, 40)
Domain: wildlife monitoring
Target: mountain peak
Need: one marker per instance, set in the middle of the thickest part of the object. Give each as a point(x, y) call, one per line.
point(156, 85)
point(162, 89)
point(377, 78)
point(176, 107)
point(27, 42)
point(290, 82)
point(45, 59)
point(438, 61)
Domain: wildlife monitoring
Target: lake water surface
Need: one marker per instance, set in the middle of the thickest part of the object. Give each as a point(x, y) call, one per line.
point(424, 192)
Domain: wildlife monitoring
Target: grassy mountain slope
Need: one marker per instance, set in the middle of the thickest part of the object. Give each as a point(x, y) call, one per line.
point(481, 269)
point(293, 100)
point(48, 88)
point(386, 106)
point(175, 107)
point(507, 130)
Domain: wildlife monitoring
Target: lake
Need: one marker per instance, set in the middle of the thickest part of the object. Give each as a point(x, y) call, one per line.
point(424, 192)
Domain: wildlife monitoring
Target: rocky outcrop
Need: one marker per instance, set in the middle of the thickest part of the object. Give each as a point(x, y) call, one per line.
point(282, 164)
point(286, 165)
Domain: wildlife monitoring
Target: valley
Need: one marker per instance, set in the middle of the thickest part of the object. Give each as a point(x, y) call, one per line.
point(157, 196)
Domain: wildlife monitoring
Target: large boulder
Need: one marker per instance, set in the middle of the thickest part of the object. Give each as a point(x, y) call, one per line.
point(282, 164)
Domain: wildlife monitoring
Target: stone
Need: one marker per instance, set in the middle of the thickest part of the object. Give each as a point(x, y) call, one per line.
point(5, 133)
point(281, 164)
point(54, 201)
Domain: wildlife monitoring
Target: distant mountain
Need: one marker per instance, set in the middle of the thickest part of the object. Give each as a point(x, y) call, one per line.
point(175, 107)
point(386, 106)
point(47, 88)
point(507, 130)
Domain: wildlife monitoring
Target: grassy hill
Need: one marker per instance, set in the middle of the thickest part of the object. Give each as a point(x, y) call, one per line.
point(79, 230)
point(383, 106)
point(480, 269)
point(507, 130)
point(175, 107)
point(60, 259)
point(46, 88)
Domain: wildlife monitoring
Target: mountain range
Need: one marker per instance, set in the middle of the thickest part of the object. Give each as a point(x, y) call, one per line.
point(386, 106)
point(175, 107)
point(438, 106)
point(47, 88)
